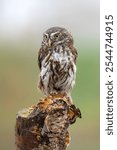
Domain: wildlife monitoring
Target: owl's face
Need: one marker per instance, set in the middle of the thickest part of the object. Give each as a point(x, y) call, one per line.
point(57, 36)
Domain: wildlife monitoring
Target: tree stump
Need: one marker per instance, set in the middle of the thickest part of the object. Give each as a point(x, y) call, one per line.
point(44, 126)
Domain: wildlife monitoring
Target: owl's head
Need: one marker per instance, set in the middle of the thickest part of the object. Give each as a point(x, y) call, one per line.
point(57, 36)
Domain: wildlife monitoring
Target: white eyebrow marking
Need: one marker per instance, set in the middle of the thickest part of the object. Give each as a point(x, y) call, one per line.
point(52, 34)
point(45, 34)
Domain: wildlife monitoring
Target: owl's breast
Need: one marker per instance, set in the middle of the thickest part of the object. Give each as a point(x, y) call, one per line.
point(61, 55)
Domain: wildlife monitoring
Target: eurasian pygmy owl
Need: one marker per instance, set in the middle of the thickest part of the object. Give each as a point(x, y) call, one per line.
point(57, 62)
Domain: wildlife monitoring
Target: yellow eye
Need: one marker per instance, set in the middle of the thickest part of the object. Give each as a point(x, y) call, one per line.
point(56, 35)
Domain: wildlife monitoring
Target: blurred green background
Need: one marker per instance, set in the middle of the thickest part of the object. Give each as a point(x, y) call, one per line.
point(21, 27)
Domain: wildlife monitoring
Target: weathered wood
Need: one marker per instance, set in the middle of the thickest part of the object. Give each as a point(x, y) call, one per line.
point(44, 126)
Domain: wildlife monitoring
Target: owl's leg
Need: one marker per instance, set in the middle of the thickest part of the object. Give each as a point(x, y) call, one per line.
point(68, 96)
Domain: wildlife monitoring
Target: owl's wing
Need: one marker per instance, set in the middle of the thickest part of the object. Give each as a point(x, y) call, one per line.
point(40, 57)
point(43, 52)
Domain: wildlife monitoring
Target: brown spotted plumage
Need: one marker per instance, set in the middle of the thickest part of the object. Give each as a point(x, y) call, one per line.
point(57, 62)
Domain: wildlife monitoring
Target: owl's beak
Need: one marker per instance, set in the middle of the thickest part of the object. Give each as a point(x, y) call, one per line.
point(49, 42)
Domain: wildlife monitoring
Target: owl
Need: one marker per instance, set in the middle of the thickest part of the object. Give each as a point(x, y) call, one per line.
point(57, 62)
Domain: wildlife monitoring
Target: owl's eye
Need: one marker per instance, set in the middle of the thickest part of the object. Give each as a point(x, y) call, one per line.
point(45, 36)
point(56, 35)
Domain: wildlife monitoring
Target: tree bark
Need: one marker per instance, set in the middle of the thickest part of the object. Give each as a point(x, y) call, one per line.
point(44, 126)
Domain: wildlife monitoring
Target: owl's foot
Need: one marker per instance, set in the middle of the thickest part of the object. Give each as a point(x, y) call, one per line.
point(60, 95)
